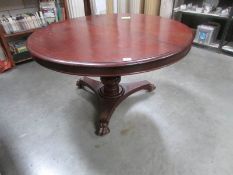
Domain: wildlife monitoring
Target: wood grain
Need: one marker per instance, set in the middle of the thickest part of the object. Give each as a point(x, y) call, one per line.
point(98, 45)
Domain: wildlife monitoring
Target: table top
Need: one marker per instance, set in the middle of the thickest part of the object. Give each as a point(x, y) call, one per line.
point(110, 45)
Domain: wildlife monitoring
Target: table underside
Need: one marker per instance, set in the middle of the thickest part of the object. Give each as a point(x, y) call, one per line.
point(110, 94)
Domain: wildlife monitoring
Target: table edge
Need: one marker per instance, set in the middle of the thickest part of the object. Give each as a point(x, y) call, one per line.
point(98, 71)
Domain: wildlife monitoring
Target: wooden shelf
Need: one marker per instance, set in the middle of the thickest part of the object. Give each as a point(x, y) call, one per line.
point(213, 45)
point(199, 13)
point(23, 60)
point(20, 33)
point(20, 57)
point(228, 47)
point(6, 38)
point(198, 18)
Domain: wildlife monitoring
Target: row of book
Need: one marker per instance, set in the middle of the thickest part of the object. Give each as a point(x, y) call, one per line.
point(18, 46)
point(23, 22)
point(50, 11)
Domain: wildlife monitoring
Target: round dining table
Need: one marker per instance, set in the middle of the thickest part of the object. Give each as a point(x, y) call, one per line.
point(109, 47)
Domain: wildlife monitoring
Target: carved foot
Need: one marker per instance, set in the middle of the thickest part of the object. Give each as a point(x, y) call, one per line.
point(151, 87)
point(91, 84)
point(102, 129)
point(110, 94)
point(79, 84)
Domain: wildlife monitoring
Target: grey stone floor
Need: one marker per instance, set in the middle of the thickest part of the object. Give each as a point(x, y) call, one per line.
point(184, 128)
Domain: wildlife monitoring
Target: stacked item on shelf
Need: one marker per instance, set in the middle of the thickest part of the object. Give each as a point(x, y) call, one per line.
point(228, 47)
point(18, 46)
point(52, 10)
point(49, 11)
point(209, 7)
point(19, 50)
point(207, 34)
point(22, 22)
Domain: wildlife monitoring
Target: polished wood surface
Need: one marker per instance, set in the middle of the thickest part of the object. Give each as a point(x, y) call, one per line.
point(107, 45)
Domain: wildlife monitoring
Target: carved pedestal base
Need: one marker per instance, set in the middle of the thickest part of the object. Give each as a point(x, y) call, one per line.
point(110, 94)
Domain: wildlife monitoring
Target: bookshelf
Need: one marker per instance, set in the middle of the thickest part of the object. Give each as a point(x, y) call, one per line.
point(227, 45)
point(200, 13)
point(19, 33)
point(13, 9)
point(192, 18)
point(5, 38)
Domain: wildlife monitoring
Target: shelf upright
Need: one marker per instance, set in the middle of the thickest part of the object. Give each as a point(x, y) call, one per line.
point(6, 46)
point(226, 30)
point(5, 40)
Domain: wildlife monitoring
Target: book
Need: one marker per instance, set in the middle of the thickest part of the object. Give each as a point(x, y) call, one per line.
point(22, 22)
point(18, 46)
point(49, 11)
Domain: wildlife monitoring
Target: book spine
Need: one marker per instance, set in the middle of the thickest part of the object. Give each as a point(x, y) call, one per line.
point(6, 28)
point(29, 20)
point(14, 29)
point(26, 23)
point(42, 18)
point(38, 20)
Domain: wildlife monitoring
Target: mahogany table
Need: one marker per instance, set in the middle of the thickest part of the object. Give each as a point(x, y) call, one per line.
point(110, 46)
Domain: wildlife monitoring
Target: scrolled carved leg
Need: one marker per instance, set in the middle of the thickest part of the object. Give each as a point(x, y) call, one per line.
point(110, 94)
point(131, 88)
point(89, 83)
point(102, 128)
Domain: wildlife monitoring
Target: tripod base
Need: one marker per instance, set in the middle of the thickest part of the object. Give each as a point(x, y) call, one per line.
point(110, 94)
